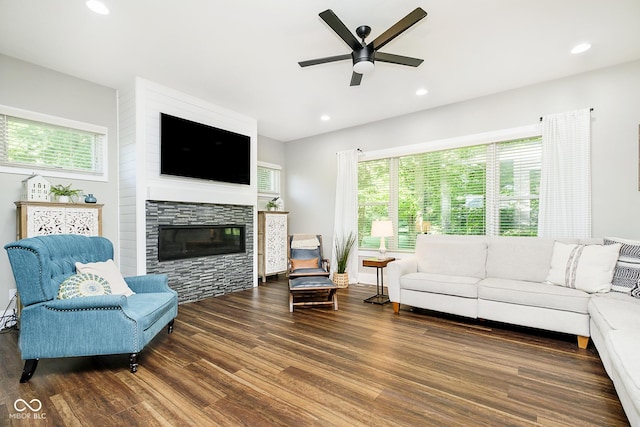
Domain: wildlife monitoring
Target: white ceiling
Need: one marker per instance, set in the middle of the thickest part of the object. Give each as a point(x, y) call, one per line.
point(242, 55)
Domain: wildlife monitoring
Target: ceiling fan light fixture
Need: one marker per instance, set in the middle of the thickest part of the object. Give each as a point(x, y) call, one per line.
point(363, 67)
point(363, 54)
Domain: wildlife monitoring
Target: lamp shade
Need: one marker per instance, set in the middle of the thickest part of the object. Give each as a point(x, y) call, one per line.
point(381, 229)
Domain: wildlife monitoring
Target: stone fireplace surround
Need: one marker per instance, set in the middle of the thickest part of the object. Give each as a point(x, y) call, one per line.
point(198, 278)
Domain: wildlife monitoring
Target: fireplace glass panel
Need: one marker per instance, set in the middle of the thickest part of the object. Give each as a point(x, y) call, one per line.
point(178, 242)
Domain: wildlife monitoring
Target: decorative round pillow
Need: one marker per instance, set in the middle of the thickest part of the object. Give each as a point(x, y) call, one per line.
point(83, 285)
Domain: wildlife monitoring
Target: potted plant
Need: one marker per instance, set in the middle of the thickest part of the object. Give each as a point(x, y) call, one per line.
point(272, 205)
point(64, 193)
point(343, 251)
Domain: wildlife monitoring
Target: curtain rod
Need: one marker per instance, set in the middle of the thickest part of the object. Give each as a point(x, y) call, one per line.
point(590, 109)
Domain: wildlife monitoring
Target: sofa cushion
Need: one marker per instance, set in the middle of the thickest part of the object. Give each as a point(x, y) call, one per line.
point(440, 255)
point(585, 267)
point(627, 272)
point(304, 263)
point(461, 286)
point(148, 307)
point(624, 348)
point(614, 310)
point(534, 294)
point(519, 258)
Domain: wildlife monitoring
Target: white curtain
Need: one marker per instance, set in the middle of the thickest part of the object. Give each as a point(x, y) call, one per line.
point(565, 182)
point(346, 214)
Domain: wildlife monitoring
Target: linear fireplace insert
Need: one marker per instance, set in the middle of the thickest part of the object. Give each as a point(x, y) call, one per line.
point(190, 241)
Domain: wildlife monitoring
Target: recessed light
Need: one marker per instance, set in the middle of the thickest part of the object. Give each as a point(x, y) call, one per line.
point(97, 7)
point(325, 118)
point(421, 92)
point(582, 47)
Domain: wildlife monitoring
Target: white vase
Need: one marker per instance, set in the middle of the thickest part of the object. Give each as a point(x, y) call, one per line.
point(63, 199)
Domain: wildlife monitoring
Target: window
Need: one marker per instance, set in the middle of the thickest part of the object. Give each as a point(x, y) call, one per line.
point(479, 189)
point(51, 144)
point(268, 179)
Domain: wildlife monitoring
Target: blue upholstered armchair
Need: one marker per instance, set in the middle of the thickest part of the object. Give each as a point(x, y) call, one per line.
point(87, 325)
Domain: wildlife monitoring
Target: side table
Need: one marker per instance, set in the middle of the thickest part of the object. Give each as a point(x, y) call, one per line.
point(379, 264)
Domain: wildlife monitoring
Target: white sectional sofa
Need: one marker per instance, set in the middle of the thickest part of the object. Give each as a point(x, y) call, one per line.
point(505, 279)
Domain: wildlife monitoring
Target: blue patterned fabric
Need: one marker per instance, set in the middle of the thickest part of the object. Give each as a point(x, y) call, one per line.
point(83, 285)
point(91, 325)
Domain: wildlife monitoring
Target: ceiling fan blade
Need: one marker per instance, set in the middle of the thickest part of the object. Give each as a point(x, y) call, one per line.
point(356, 78)
point(397, 28)
point(398, 59)
point(324, 60)
point(338, 26)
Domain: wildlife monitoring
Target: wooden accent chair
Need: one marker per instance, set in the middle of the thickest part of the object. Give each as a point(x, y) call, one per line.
point(308, 272)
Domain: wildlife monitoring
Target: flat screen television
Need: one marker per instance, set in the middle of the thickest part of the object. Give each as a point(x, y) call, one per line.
point(195, 150)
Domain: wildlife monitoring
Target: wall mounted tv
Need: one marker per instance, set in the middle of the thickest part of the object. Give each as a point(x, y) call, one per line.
point(195, 150)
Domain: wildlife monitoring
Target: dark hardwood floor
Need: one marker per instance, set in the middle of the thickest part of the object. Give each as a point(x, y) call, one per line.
point(244, 359)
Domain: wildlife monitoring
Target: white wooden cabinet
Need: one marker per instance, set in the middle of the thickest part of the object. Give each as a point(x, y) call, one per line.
point(272, 243)
point(42, 218)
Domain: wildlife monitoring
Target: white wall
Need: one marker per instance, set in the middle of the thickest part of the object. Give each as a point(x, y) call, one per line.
point(614, 93)
point(271, 150)
point(140, 106)
point(30, 87)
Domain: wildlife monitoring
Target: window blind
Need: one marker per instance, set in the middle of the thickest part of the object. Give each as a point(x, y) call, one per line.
point(518, 167)
point(483, 189)
point(268, 180)
point(32, 144)
point(373, 199)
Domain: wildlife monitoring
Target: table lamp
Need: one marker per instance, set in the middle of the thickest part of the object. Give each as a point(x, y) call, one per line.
point(382, 229)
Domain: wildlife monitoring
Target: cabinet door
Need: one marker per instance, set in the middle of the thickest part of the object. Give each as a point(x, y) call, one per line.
point(43, 220)
point(275, 243)
point(81, 221)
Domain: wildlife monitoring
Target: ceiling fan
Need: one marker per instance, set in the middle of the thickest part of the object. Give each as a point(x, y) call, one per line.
point(364, 55)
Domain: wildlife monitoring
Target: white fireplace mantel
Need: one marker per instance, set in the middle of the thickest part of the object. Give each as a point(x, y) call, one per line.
point(139, 108)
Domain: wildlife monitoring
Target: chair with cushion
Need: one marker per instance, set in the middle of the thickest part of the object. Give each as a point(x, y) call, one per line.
point(309, 282)
point(305, 256)
point(76, 303)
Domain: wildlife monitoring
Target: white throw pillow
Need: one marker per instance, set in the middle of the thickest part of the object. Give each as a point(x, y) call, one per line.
point(586, 267)
point(110, 272)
